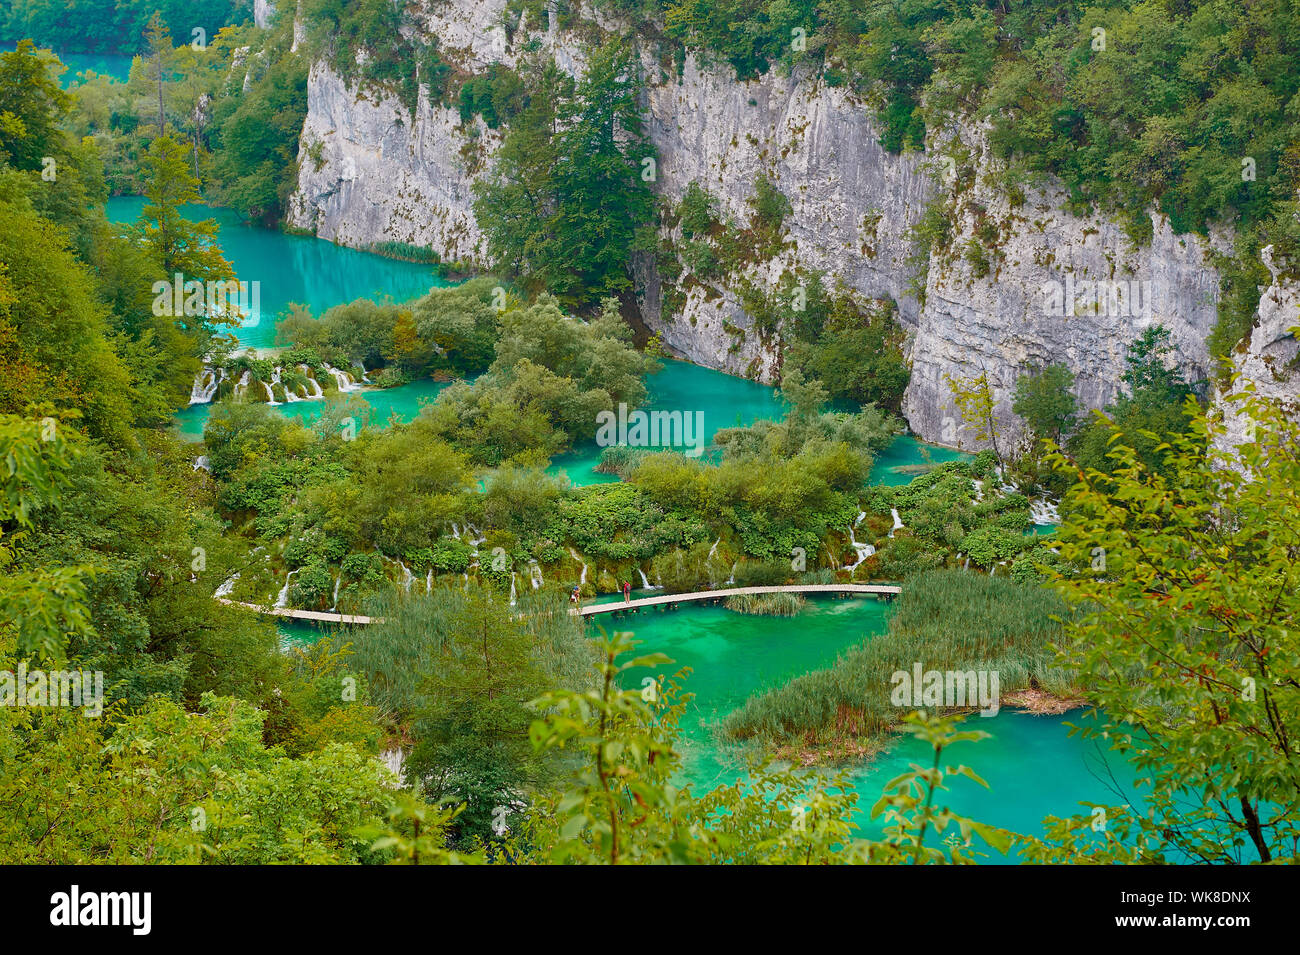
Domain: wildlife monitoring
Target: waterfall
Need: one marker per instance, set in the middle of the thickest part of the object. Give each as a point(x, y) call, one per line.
point(290, 395)
point(714, 549)
point(863, 551)
point(979, 489)
point(898, 521)
point(315, 385)
point(535, 575)
point(408, 578)
point(205, 386)
point(342, 379)
point(512, 588)
point(226, 587)
point(583, 579)
point(283, 599)
point(394, 760)
point(732, 578)
point(334, 605)
point(270, 395)
point(1043, 511)
point(645, 582)
point(428, 582)
point(241, 386)
point(201, 463)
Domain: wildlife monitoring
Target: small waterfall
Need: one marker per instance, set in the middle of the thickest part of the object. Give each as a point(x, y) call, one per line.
point(535, 575)
point(283, 599)
point(408, 578)
point(201, 463)
point(512, 588)
point(863, 551)
point(394, 761)
point(1043, 511)
point(334, 605)
point(583, 579)
point(898, 521)
point(342, 379)
point(645, 581)
point(979, 489)
point(732, 578)
point(241, 386)
point(205, 386)
point(222, 592)
point(714, 549)
point(428, 582)
point(270, 395)
point(316, 391)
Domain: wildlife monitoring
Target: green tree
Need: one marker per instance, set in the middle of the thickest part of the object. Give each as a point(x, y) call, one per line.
point(1187, 641)
point(471, 736)
point(1044, 398)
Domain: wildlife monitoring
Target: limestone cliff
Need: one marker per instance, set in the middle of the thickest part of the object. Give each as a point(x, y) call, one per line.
point(372, 171)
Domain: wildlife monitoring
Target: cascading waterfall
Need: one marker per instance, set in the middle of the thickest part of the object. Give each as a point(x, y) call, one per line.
point(645, 582)
point(512, 588)
point(241, 386)
point(732, 578)
point(428, 582)
point(222, 592)
point(282, 600)
point(535, 575)
point(979, 489)
point(583, 579)
point(317, 392)
point(342, 379)
point(863, 551)
point(205, 385)
point(334, 604)
point(898, 521)
point(201, 463)
point(270, 395)
point(1043, 511)
point(714, 549)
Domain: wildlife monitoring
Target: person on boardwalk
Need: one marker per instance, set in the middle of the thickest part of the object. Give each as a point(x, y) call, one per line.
point(573, 595)
point(627, 592)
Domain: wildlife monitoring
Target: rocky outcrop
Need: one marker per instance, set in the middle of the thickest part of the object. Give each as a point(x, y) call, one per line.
point(1267, 362)
point(263, 10)
point(372, 171)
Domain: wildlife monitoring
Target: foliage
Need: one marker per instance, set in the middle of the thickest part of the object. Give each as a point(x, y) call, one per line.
point(1187, 640)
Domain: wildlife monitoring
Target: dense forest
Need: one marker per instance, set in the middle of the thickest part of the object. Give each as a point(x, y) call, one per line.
point(1163, 600)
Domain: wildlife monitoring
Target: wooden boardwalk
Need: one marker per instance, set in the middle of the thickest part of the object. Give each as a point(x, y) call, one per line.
point(320, 616)
point(615, 606)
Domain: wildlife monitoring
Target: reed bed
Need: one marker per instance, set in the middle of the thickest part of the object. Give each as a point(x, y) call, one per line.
point(945, 620)
point(770, 605)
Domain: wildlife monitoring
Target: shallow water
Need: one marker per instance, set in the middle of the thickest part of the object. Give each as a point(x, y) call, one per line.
point(1033, 768)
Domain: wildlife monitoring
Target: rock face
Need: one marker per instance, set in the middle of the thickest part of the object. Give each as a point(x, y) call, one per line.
point(263, 10)
point(1268, 360)
point(372, 171)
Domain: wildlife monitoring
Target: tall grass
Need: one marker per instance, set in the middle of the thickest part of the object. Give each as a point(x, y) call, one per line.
point(772, 605)
point(945, 620)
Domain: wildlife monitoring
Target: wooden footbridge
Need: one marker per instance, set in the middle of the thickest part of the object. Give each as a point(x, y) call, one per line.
point(614, 606)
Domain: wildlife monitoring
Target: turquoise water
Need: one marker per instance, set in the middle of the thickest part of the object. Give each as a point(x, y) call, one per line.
point(1034, 769)
point(403, 402)
point(293, 268)
point(116, 65)
point(724, 401)
point(907, 452)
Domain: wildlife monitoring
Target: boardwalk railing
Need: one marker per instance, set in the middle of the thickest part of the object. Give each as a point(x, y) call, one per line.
point(616, 606)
